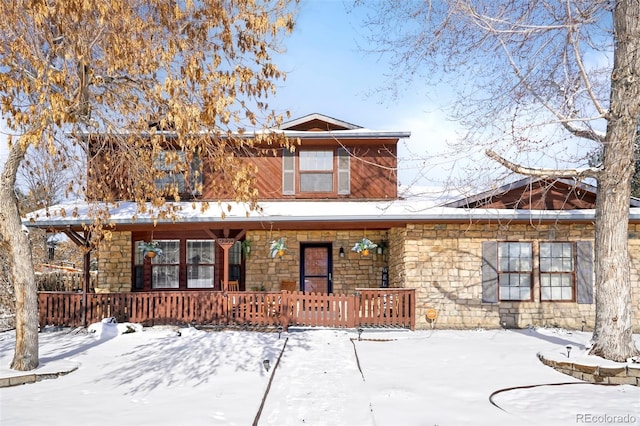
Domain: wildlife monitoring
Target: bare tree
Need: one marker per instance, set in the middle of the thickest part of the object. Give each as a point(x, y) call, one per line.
point(72, 67)
point(521, 71)
point(45, 178)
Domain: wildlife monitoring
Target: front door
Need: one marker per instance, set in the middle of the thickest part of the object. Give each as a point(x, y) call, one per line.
point(316, 267)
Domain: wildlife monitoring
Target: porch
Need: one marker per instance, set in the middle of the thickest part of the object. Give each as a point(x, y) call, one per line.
point(365, 307)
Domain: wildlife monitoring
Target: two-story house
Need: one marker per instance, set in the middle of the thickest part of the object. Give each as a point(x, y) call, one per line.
point(516, 256)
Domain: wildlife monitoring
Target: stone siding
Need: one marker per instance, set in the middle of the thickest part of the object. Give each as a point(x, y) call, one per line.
point(349, 272)
point(114, 264)
point(443, 262)
point(397, 257)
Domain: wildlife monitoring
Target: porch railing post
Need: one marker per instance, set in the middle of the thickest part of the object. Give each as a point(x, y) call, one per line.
point(355, 314)
point(412, 308)
point(86, 264)
point(350, 305)
point(284, 310)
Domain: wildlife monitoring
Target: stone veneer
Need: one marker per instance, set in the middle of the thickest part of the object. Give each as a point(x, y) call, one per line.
point(114, 263)
point(349, 272)
point(443, 262)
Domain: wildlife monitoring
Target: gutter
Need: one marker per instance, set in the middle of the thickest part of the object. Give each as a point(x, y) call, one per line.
point(519, 216)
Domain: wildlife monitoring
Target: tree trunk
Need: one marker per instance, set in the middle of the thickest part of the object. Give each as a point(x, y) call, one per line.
point(21, 266)
point(613, 333)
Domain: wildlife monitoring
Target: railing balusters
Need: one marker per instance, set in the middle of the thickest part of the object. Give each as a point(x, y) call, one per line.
point(366, 307)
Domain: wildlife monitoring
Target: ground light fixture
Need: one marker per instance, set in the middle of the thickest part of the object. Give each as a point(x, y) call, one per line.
point(360, 330)
point(266, 364)
point(568, 351)
point(279, 331)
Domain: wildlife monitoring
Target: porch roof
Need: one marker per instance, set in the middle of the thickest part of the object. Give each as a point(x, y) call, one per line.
point(355, 213)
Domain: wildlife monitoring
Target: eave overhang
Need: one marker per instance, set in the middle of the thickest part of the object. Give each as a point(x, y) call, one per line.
point(304, 214)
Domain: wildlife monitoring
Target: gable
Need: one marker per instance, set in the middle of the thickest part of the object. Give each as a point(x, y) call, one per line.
point(317, 123)
point(534, 194)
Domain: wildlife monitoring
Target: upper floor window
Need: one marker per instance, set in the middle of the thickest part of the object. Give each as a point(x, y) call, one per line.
point(316, 171)
point(177, 173)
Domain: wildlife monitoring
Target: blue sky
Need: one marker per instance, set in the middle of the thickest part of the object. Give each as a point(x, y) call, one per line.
point(329, 73)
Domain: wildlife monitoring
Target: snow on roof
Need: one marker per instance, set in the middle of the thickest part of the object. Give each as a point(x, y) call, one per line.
point(414, 204)
point(350, 131)
point(78, 213)
point(359, 133)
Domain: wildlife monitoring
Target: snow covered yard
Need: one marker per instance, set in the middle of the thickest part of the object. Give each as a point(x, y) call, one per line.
point(157, 376)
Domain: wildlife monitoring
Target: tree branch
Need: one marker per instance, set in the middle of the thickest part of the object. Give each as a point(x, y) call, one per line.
point(566, 122)
point(574, 41)
point(592, 172)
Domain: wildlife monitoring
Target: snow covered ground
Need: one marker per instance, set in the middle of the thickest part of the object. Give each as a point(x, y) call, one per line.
point(158, 376)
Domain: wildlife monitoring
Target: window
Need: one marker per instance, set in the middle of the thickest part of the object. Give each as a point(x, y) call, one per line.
point(190, 262)
point(557, 271)
point(165, 269)
point(565, 270)
point(235, 262)
point(173, 164)
point(200, 263)
point(317, 171)
point(514, 270)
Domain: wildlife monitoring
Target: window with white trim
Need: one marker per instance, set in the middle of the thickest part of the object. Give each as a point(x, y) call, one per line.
point(174, 171)
point(515, 261)
point(200, 263)
point(165, 269)
point(565, 270)
point(557, 271)
point(316, 171)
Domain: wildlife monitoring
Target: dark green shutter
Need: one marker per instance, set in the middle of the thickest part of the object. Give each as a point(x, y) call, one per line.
point(584, 272)
point(490, 272)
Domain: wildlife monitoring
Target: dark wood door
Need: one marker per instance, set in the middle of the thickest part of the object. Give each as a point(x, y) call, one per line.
point(316, 267)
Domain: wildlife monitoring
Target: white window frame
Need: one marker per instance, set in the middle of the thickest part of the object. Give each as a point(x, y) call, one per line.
point(515, 271)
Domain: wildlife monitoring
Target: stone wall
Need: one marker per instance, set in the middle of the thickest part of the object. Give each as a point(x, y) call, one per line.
point(443, 262)
point(398, 257)
point(620, 375)
point(114, 264)
point(349, 272)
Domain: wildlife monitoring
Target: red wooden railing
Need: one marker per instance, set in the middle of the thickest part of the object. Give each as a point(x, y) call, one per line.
point(386, 307)
point(365, 308)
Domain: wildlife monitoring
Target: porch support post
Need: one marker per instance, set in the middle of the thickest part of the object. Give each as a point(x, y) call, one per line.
point(226, 244)
point(83, 241)
point(86, 264)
